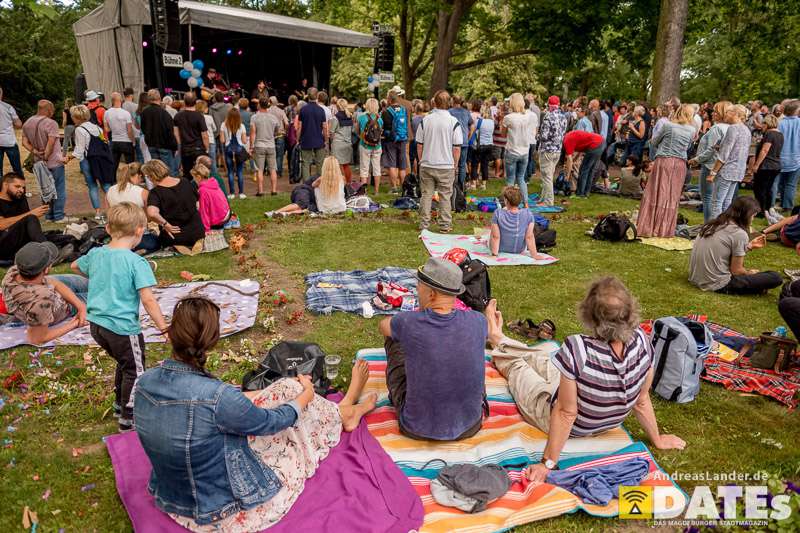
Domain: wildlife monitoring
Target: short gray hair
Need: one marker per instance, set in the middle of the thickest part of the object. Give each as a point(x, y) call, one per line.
point(609, 311)
point(153, 95)
point(79, 112)
point(790, 108)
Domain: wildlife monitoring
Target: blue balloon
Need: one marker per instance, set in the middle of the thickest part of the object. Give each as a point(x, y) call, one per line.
point(198, 64)
point(185, 74)
point(370, 79)
point(199, 82)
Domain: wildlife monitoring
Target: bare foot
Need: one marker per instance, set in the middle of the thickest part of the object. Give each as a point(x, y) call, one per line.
point(495, 320)
point(358, 379)
point(352, 414)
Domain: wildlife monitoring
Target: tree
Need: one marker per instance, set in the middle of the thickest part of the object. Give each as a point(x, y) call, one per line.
point(669, 50)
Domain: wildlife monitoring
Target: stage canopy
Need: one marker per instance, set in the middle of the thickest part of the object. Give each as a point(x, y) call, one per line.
point(110, 37)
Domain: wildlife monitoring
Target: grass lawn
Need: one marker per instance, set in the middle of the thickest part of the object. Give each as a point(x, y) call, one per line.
point(53, 446)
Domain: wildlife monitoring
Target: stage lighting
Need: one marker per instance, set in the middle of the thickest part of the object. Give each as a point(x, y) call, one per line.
point(229, 51)
point(191, 48)
point(144, 44)
point(213, 50)
point(240, 52)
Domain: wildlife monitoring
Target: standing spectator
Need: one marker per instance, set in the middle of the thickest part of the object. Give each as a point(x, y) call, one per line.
point(551, 136)
point(396, 123)
point(280, 138)
point(9, 121)
point(219, 109)
point(118, 127)
point(234, 143)
point(467, 127)
point(658, 213)
point(322, 101)
point(499, 140)
point(264, 127)
point(259, 92)
point(40, 136)
point(211, 130)
point(515, 126)
point(132, 107)
point(69, 127)
point(416, 120)
point(157, 127)
point(370, 128)
point(481, 150)
point(731, 163)
point(767, 166)
point(583, 124)
point(534, 119)
point(246, 114)
point(312, 130)
point(590, 146)
point(707, 154)
point(191, 133)
point(96, 109)
point(790, 153)
point(84, 131)
point(342, 138)
point(637, 129)
point(597, 118)
point(439, 141)
point(19, 224)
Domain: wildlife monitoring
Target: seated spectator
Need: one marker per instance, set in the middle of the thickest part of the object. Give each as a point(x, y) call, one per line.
point(435, 359)
point(49, 306)
point(789, 228)
point(172, 204)
point(19, 224)
point(789, 306)
point(207, 162)
point(512, 227)
point(327, 197)
point(589, 385)
point(631, 179)
point(129, 187)
point(717, 260)
point(213, 206)
point(223, 459)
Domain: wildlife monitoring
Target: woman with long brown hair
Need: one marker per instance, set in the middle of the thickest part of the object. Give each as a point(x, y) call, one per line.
point(224, 460)
point(233, 139)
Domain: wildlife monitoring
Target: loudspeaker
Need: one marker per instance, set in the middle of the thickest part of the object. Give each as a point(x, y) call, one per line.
point(165, 20)
point(80, 88)
point(384, 55)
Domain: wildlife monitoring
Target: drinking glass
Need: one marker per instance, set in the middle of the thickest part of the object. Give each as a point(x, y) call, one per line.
point(332, 366)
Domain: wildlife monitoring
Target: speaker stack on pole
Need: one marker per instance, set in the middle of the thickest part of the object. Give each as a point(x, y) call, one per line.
point(384, 53)
point(165, 21)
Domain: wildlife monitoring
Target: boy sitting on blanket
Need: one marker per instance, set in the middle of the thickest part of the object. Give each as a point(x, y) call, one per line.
point(435, 359)
point(118, 280)
point(49, 306)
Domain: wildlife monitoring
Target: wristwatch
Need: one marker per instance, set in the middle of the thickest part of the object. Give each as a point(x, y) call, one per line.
point(549, 463)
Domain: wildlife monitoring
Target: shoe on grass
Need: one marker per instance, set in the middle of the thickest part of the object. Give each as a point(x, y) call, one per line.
point(242, 196)
point(231, 196)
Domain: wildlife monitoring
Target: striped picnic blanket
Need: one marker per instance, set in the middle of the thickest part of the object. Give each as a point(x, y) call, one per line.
point(504, 439)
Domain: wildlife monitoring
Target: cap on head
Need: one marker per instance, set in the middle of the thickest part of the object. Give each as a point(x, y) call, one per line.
point(554, 101)
point(442, 276)
point(397, 90)
point(34, 257)
point(91, 96)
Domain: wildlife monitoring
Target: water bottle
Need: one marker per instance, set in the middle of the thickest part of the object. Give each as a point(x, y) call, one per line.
point(780, 331)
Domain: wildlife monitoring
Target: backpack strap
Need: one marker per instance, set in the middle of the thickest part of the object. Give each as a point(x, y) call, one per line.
point(658, 330)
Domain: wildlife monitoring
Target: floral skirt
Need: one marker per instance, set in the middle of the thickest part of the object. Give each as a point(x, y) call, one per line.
point(293, 454)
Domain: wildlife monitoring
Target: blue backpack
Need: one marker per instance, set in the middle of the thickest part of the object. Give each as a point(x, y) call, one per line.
point(399, 123)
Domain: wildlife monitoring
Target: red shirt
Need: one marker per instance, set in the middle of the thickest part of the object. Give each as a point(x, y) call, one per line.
point(581, 141)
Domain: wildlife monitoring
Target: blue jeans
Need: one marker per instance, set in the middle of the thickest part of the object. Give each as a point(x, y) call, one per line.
point(724, 191)
point(590, 159)
point(165, 156)
point(149, 243)
point(787, 183)
point(234, 168)
point(706, 193)
point(13, 158)
point(462, 165)
point(137, 146)
point(515, 166)
point(77, 284)
point(280, 150)
point(531, 168)
point(212, 153)
point(633, 147)
point(57, 206)
point(94, 193)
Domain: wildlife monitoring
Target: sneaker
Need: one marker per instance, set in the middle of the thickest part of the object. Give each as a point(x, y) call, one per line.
point(269, 214)
point(445, 230)
point(794, 275)
point(125, 425)
point(99, 216)
point(68, 220)
point(242, 196)
point(483, 185)
point(117, 410)
point(231, 196)
point(273, 193)
point(235, 223)
point(775, 214)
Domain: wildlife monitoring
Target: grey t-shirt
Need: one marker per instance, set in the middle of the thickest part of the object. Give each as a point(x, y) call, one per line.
point(266, 127)
point(710, 262)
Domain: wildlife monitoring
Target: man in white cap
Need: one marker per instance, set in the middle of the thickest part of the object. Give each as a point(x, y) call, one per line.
point(400, 93)
point(96, 109)
point(435, 359)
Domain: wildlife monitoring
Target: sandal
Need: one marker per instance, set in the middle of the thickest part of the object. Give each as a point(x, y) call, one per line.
point(525, 328)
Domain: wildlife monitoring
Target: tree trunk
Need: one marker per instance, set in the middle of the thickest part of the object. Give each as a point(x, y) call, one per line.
point(448, 22)
point(669, 50)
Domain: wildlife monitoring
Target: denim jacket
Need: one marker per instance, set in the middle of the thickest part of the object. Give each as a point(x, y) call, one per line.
point(672, 140)
point(194, 429)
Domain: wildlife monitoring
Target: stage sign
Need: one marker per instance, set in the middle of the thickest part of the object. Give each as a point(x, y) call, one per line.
point(386, 77)
point(173, 60)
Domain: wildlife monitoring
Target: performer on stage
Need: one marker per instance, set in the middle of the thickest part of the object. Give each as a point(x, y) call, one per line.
point(261, 91)
point(215, 80)
point(303, 89)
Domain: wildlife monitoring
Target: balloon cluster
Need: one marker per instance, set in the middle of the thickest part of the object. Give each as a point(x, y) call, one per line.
point(192, 72)
point(373, 82)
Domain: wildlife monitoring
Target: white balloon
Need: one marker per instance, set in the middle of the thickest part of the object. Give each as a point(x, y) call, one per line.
point(192, 82)
point(196, 73)
point(188, 65)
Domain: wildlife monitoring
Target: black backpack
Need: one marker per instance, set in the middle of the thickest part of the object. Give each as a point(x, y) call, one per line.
point(476, 281)
point(458, 199)
point(615, 228)
point(372, 134)
point(101, 162)
point(411, 186)
point(289, 359)
point(545, 239)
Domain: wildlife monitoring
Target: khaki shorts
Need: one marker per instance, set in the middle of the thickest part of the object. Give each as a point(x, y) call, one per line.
point(265, 155)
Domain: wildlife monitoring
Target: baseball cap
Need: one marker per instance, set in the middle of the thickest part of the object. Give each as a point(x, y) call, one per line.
point(397, 90)
point(34, 257)
point(554, 100)
point(91, 95)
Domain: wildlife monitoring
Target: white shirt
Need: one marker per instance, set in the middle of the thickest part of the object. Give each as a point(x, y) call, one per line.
point(697, 122)
point(132, 194)
point(438, 133)
point(533, 126)
point(171, 110)
point(518, 136)
point(116, 120)
point(211, 126)
point(7, 117)
point(328, 114)
point(241, 136)
point(82, 138)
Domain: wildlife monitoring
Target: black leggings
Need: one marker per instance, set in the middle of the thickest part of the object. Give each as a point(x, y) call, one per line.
point(480, 156)
point(752, 283)
point(25, 230)
point(762, 187)
point(789, 307)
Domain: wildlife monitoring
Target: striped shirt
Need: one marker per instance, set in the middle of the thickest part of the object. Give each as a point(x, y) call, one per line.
point(608, 388)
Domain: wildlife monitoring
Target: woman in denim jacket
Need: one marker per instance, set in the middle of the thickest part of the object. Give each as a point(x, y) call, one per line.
point(223, 460)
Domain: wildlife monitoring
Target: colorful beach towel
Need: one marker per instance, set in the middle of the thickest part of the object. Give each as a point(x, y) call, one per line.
point(438, 244)
point(669, 243)
point(504, 439)
point(488, 204)
point(331, 291)
point(356, 488)
point(237, 300)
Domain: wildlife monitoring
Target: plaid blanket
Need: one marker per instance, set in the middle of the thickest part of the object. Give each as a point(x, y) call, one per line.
point(347, 291)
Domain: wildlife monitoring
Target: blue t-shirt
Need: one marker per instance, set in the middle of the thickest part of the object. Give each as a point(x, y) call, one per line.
point(312, 117)
point(115, 277)
point(445, 361)
point(464, 118)
point(513, 227)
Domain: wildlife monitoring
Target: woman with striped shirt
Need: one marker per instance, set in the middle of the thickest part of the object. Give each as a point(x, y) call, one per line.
point(589, 385)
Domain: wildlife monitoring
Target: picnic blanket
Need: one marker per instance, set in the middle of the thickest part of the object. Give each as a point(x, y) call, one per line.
point(331, 291)
point(438, 244)
point(504, 439)
point(237, 312)
point(356, 488)
point(668, 243)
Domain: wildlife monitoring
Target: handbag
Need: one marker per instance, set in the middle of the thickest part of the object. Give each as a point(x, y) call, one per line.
point(31, 159)
point(289, 359)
